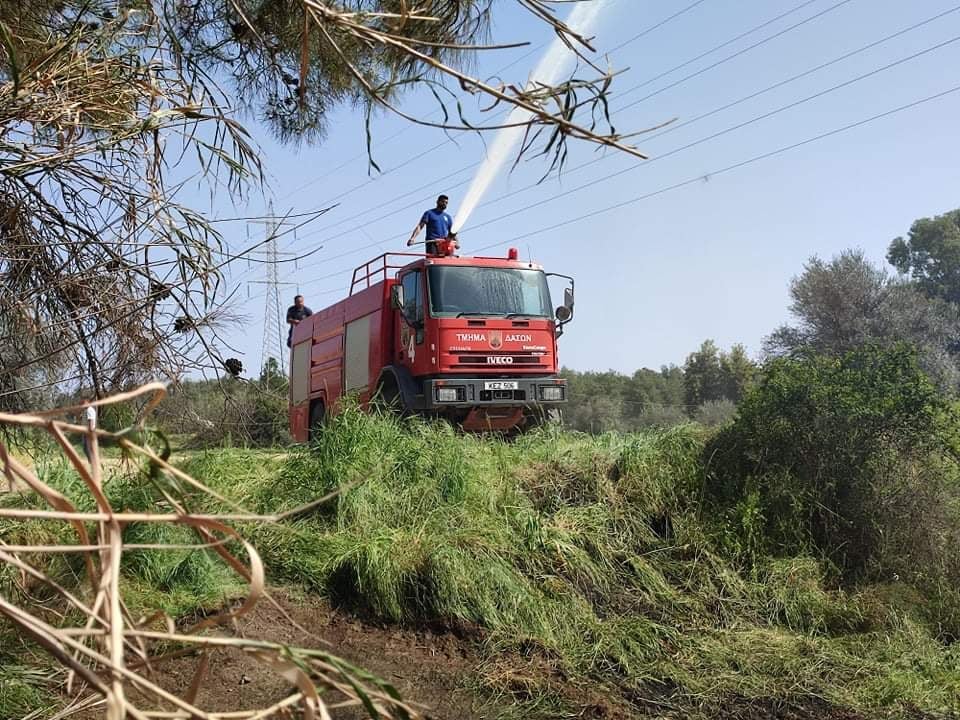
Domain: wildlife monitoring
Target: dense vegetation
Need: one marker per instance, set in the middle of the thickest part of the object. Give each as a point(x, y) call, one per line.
point(779, 557)
point(705, 389)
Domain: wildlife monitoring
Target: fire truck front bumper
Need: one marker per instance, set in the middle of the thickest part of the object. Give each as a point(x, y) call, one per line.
point(512, 392)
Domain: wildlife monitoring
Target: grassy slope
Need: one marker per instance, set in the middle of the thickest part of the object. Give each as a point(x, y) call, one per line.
point(590, 563)
point(590, 558)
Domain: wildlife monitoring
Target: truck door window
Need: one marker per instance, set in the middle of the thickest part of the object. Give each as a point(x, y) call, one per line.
point(413, 302)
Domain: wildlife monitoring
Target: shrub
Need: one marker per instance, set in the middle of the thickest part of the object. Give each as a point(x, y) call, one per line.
point(660, 416)
point(229, 412)
point(715, 413)
point(852, 457)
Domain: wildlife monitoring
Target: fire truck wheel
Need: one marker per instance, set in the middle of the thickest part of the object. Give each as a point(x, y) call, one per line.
point(542, 417)
point(388, 399)
point(318, 413)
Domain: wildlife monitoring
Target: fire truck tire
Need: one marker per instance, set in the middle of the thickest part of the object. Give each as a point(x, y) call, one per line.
point(388, 399)
point(543, 417)
point(318, 414)
point(395, 390)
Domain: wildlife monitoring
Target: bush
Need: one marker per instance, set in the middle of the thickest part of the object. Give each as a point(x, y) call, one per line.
point(852, 457)
point(715, 413)
point(660, 416)
point(229, 412)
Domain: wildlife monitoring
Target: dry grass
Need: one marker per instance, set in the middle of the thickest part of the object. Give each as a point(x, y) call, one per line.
point(107, 653)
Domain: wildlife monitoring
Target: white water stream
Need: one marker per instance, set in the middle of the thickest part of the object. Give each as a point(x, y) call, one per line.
point(552, 65)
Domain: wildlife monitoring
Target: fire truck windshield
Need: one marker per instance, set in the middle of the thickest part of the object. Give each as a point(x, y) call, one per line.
point(463, 290)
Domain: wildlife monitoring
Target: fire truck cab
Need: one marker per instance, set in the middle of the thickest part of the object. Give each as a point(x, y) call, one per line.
point(470, 339)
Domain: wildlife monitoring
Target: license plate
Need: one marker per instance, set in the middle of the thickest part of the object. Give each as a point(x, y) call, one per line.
point(500, 385)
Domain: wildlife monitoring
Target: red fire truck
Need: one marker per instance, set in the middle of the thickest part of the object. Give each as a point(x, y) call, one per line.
point(470, 339)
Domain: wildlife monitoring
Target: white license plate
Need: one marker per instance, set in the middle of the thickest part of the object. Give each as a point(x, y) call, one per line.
point(500, 385)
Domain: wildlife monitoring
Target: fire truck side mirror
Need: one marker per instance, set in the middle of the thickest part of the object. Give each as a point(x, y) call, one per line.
point(565, 311)
point(396, 297)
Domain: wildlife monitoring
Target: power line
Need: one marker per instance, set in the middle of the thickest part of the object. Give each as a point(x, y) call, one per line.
point(714, 173)
point(726, 131)
point(733, 56)
point(806, 73)
point(407, 127)
point(726, 43)
point(682, 148)
point(729, 168)
point(437, 146)
point(657, 26)
point(758, 93)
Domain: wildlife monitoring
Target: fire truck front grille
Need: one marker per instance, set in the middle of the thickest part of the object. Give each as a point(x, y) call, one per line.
point(489, 395)
point(512, 360)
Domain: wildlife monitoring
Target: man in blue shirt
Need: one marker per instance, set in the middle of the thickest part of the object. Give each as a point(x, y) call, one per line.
point(438, 224)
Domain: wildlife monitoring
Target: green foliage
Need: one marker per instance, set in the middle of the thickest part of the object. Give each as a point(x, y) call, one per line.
point(596, 400)
point(604, 401)
point(715, 412)
point(931, 255)
point(739, 373)
point(229, 411)
point(264, 58)
point(177, 581)
point(852, 458)
point(540, 540)
point(848, 302)
point(593, 558)
point(598, 559)
point(711, 376)
point(791, 593)
point(23, 688)
point(703, 379)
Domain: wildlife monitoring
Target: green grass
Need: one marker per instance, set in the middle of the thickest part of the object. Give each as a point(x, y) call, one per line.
point(591, 564)
point(588, 557)
point(25, 677)
point(174, 581)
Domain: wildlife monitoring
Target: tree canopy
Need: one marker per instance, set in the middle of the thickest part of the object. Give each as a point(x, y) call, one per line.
point(847, 302)
point(930, 255)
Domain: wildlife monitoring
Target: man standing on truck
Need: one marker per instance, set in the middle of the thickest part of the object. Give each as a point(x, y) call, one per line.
point(295, 313)
point(438, 224)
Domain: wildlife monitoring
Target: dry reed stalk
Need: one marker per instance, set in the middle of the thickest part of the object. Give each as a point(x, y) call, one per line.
point(111, 654)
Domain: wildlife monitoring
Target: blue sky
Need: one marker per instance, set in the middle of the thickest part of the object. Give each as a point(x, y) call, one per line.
point(712, 259)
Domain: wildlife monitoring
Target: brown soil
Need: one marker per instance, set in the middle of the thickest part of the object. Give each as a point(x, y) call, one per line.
point(434, 668)
point(428, 667)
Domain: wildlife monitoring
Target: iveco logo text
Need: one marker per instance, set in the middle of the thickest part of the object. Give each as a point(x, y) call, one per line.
point(499, 360)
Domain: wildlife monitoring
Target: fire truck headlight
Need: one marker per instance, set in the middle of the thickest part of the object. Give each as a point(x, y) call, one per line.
point(450, 394)
point(552, 393)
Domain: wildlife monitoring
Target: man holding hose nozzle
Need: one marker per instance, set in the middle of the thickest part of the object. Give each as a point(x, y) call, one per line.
point(438, 224)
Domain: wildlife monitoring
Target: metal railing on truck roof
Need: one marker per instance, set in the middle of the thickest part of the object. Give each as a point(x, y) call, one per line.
point(374, 271)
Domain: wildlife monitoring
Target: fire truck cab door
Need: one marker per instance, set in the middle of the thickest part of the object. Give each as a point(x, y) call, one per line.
point(411, 319)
